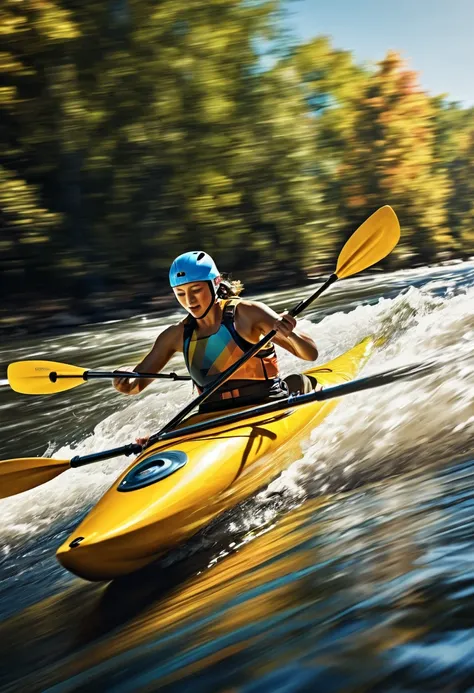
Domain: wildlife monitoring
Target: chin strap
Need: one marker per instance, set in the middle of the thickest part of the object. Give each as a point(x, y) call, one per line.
point(212, 287)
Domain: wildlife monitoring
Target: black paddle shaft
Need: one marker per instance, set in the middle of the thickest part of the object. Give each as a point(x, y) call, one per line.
point(416, 370)
point(130, 449)
point(412, 371)
point(91, 375)
point(235, 367)
point(302, 305)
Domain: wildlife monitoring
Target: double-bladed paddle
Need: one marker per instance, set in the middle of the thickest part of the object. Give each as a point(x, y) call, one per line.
point(47, 377)
point(369, 244)
point(27, 472)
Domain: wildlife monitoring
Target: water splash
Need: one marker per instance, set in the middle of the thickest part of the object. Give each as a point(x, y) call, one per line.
point(407, 425)
point(369, 436)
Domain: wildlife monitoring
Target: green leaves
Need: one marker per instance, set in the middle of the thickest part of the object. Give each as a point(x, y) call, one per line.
point(136, 130)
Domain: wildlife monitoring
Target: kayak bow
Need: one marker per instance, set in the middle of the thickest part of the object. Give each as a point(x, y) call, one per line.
point(176, 487)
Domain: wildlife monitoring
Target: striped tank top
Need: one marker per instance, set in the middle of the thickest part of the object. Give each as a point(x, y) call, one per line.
point(207, 357)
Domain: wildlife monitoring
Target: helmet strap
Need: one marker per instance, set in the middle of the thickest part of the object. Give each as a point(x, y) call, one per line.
point(213, 300)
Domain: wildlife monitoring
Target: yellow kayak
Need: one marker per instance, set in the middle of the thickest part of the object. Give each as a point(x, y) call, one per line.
point(174, 488)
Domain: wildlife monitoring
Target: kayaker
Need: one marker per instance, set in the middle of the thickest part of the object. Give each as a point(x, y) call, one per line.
point(219, 329)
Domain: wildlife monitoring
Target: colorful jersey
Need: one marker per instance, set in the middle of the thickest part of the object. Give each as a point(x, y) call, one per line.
point(208, 357)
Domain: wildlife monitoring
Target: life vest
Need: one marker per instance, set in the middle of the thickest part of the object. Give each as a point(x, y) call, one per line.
point(207, 357)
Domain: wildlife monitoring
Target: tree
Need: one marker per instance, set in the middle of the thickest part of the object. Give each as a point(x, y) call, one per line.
point(389, 158)
point(331, 84)
point(454, 154)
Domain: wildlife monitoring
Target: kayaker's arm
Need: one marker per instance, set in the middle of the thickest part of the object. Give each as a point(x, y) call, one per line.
point(294, 341)
point(253, 319)
point(166, 345)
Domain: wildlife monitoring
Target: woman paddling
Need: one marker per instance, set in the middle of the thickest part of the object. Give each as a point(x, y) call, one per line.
point(219, 329)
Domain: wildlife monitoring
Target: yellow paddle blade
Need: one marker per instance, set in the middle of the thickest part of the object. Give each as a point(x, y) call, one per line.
point(24, 473)
point(39, 377)
point(373, 240)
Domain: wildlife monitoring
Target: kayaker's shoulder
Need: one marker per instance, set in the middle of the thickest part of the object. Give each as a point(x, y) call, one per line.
point(254, 309)
point(245, 304)
point(175, 329)
point(171, 336)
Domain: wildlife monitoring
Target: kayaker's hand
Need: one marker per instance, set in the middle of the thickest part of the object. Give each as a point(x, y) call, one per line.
point(285, 325)
point(124, 385)
point(142, 441)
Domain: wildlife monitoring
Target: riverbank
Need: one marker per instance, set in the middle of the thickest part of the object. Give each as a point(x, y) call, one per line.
point(26, 314)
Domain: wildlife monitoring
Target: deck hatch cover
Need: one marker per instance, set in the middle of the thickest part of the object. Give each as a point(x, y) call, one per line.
point(153, 469)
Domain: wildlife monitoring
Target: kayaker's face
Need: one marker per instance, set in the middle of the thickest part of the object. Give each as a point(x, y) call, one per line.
point(194, 297)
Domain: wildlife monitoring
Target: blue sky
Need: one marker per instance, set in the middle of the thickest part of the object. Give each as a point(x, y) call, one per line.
point(436, 37)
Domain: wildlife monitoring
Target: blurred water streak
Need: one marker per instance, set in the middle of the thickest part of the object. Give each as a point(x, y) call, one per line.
point(296, 589)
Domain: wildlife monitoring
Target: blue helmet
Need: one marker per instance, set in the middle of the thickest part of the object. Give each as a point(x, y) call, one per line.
point(195, 266)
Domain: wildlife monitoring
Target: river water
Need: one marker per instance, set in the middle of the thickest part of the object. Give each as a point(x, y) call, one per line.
point(353, 570)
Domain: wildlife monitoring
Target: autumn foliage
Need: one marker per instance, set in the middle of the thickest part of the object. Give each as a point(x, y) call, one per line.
point(134, 130)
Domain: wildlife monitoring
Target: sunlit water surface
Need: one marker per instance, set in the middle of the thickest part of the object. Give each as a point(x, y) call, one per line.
point(353, 570)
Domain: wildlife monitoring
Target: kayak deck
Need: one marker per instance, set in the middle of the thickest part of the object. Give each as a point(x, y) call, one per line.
point(138, 518)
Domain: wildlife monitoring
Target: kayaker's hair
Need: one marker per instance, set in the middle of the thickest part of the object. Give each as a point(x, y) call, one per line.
point(229, 287)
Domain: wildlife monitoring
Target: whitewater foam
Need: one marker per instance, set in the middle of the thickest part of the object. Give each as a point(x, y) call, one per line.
point(369, 436)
